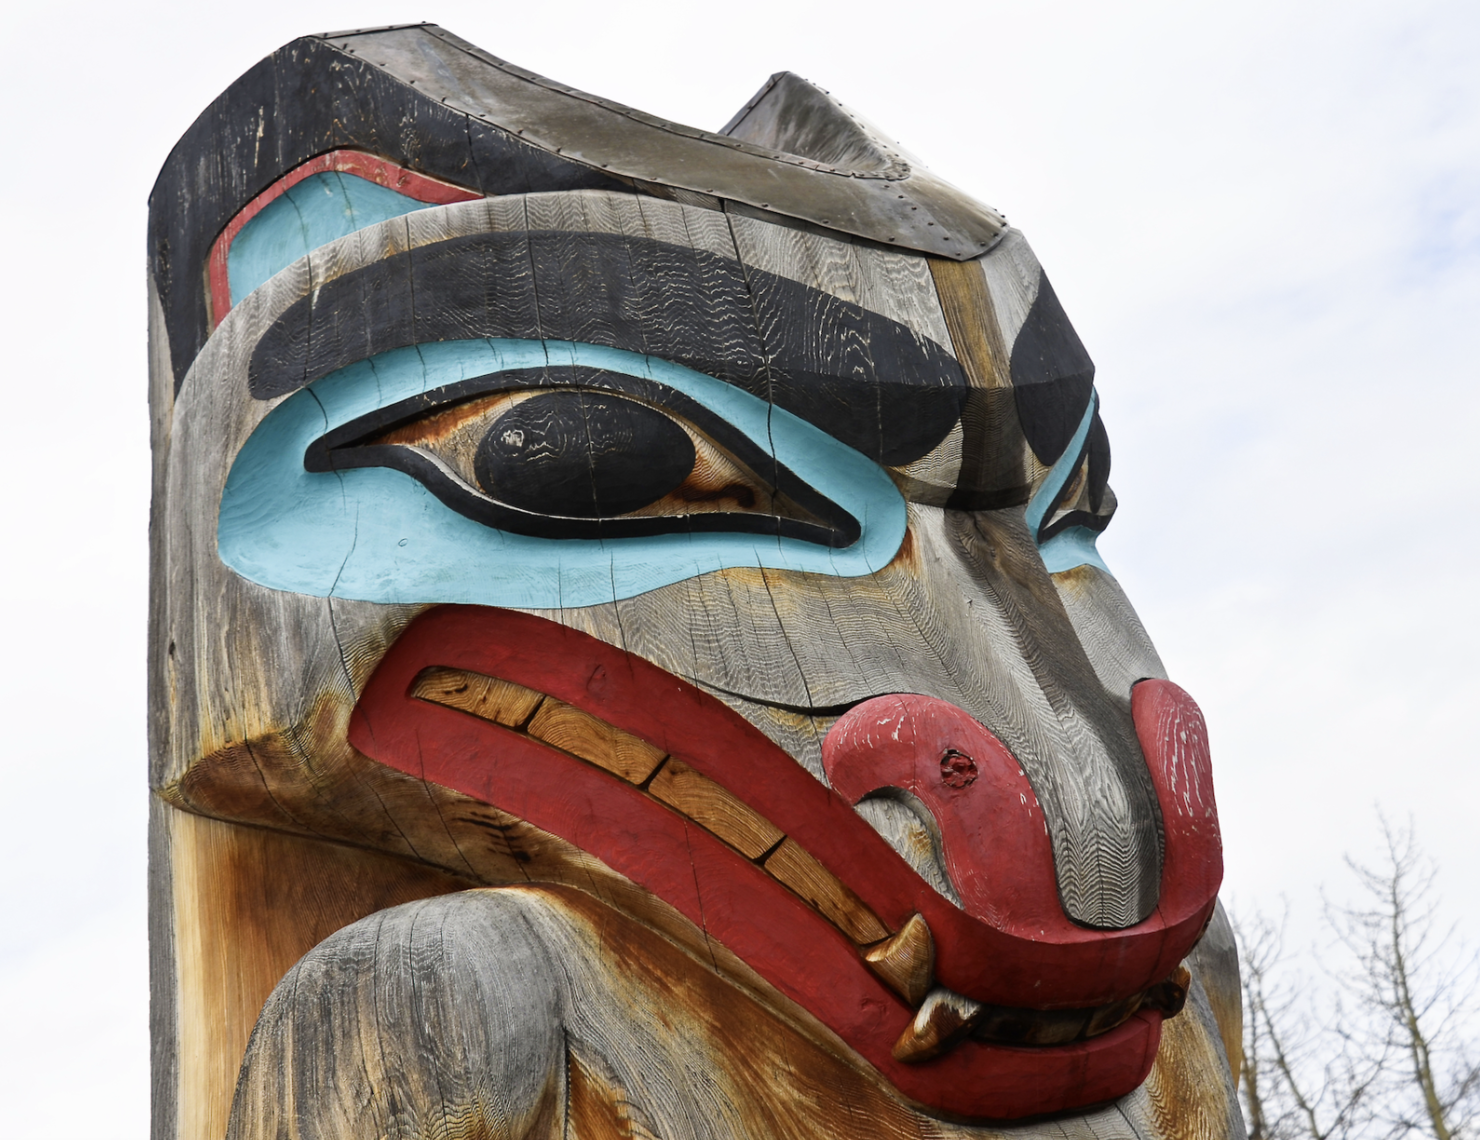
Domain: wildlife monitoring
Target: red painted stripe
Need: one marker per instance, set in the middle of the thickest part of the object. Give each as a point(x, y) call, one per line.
point(1004, 951)
point(422, 187)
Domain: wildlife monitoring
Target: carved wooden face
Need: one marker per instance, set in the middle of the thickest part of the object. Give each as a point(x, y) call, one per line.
point(737, 570)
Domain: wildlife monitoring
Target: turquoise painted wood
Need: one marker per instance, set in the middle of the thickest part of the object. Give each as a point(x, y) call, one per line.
point(378, 535)
point(1076, 546)
point(318, 210)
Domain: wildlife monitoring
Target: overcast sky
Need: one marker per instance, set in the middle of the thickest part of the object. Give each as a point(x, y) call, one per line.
point(1263, 218)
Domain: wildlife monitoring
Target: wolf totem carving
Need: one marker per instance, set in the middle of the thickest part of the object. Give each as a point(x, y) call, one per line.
point(629, 651)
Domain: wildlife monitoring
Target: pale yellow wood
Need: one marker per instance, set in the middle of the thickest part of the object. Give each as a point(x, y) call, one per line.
point(794, 866)
point(715, 809)
point(581, 734)
point(502, 702)
point(906, 961)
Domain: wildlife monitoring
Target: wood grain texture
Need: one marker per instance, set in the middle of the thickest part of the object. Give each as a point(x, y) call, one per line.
point(715, 809)
point(254, 688)
point(970, 316)
point(894, 283)
point(994, 470)
point(163, 1043)
point(535, 1012)
point(598, 1108)
point(502, 702)
point(1109, 629)
point(1043, 961)
point(1215, 963)
point(1012, 274)
point(966, 612)
point(581, 734)
point(795, 866)
point(246, 904)
point(906, 960)
point(1191, 1092)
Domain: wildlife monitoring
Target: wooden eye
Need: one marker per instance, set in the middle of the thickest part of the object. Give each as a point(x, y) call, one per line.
point(582, 455)
point(569, 462)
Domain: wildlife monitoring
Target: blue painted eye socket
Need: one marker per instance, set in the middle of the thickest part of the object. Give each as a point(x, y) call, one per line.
point(1066, 533)
point(369, 484)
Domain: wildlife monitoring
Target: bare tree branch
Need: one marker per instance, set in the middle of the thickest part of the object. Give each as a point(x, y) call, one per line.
point(1416, 987)
point(1303, 1080)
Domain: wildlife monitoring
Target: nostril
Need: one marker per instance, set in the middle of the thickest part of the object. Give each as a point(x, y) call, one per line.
point(957, 769)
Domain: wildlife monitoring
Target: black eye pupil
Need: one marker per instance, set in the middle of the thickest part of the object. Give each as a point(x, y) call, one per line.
point(583, 455)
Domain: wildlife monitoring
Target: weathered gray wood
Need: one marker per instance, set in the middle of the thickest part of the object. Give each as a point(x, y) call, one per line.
point(1012, 273)
point(1214, 961)
point(946, 619)
point(1112, 635)
point(164, 1060)
point(616, 139)
point(569, 1001)
point(896, 284)
point(497, 1014)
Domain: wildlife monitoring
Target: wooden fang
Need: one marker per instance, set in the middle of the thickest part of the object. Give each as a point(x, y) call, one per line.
point(906, 961)
point(1169, 996)
point(943, 1021)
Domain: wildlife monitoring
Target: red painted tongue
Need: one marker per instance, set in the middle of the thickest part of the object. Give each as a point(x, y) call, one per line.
point(994, 836)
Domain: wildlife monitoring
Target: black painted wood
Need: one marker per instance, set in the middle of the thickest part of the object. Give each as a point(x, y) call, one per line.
point(1099, 462)
point(305, 99)
point(582, 454)
point(357, 444)
point(868, 381)
point(1052, 376)
point(1096, 451)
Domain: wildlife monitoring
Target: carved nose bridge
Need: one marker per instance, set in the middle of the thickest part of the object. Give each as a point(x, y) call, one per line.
point(1073, 738)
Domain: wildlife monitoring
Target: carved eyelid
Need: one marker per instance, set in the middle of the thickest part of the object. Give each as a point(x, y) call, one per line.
point(355, 444)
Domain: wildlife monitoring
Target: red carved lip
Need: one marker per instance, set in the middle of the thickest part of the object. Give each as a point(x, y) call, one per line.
point(993, 831)
point(1012, 947)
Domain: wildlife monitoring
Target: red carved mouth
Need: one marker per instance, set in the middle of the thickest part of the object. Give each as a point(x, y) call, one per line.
point(679, 793)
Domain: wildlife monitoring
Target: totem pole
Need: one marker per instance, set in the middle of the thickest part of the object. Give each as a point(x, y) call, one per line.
point(629, 652)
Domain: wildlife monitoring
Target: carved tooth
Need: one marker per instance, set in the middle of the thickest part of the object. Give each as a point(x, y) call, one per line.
point(943, 1020)
point(502, 702)
point(1170, 996)
point(906, 961)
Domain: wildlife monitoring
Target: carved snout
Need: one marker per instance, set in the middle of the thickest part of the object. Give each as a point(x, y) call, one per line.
point(994, 836)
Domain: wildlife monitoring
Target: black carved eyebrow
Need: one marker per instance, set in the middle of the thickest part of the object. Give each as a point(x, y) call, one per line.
point(352, 446)
point(867, 380)
point(1053, 380)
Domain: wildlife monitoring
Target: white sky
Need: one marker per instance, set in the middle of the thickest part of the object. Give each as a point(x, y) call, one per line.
point(1263, 218)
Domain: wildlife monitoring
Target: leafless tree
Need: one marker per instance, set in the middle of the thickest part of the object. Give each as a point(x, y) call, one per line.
point(1388, 1042)
point(1302, 1077)
point(1416, 988)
